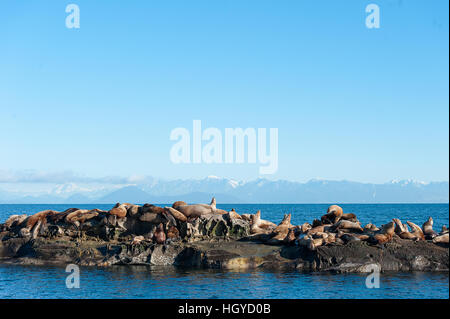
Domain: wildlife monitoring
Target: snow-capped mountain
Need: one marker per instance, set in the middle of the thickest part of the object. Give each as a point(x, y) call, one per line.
point(231, 191)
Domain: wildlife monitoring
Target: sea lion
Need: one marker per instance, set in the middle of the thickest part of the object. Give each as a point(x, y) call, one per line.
point(159, 236)
point(197, 210)
point(31, 221)
point(402, 230)
point(59, 217)
point(261, 226)
point(173, 233)
point(321, 228)
point(444, 229)
point(233, 215)
point(290, 237)
point(333, 215)
point(36, 228)
point(349, 216)
point(416, 231)
point(314, 243)
point(441, 239)
point(150, 208)
point(176, 214)
point(330, 238)
point(370, 227)
point(133, 210)
point(427, 229)
point(178, 203)
point(399, 227)
point(346, 224)
point(149, 236)
point(72, 217)
point(281, 231)
point(305, 227)
point(152, 214)
point(384, 235)
point(348, 238)
point(119, 210)
point(247, 217)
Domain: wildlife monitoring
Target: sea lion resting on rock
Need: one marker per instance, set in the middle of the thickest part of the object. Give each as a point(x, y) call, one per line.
point(384, 235)
point(333, 215)
point(119, 210)
point(196, 210)
point(159, 236)
point(261, 226)
point(427, 229)
point(41, 217)
point(441, 238)
point(80, 216)
point(346, 224)
point(233, 215)
point(281, 231)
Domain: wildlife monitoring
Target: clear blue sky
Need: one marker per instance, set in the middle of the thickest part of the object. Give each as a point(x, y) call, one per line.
point(351, 103)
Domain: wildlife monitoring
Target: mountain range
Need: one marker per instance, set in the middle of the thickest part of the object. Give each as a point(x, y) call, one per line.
point(231, 191)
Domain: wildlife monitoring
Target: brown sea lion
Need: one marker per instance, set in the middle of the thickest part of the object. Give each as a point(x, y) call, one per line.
point(384, 235)
point(173, 233)
point(197, 210)
point(346, 224)
point(232, 214)
point(416, 231)
point(119, 210)
point(370, 227)
point(178, 203)
point(82, 217)
point(350, 217)
point(159, 236)
point(40, 216)
point(305, 227)
point(443, 238)
point(281, 231)
point(149, 208)
point(176, 214)
point(321, 228)
point(399, 227)
point(427, 229)
point(290, 237)
point(402, 230)
point(261, 226)
point(443, 229)
point(133, 210)
point(333, 215)
point(348, 238)
point(59, 217)
point(314, 243)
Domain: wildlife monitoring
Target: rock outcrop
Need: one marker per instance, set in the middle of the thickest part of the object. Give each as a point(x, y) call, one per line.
point(150, 235)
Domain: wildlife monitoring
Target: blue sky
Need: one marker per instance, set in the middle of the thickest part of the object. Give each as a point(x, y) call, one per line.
point(349, 102)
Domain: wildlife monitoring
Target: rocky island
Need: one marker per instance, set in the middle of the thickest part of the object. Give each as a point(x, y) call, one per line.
point(202, 235)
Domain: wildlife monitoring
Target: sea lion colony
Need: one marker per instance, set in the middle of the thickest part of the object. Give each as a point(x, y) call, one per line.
point(163, 225)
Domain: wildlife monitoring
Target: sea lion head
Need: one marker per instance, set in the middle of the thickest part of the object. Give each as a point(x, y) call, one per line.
point(178, 203)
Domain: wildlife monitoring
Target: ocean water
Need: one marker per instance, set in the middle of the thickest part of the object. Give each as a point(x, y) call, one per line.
point(171, 282)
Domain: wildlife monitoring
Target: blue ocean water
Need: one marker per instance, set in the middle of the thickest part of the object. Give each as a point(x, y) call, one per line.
point(170, 282)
